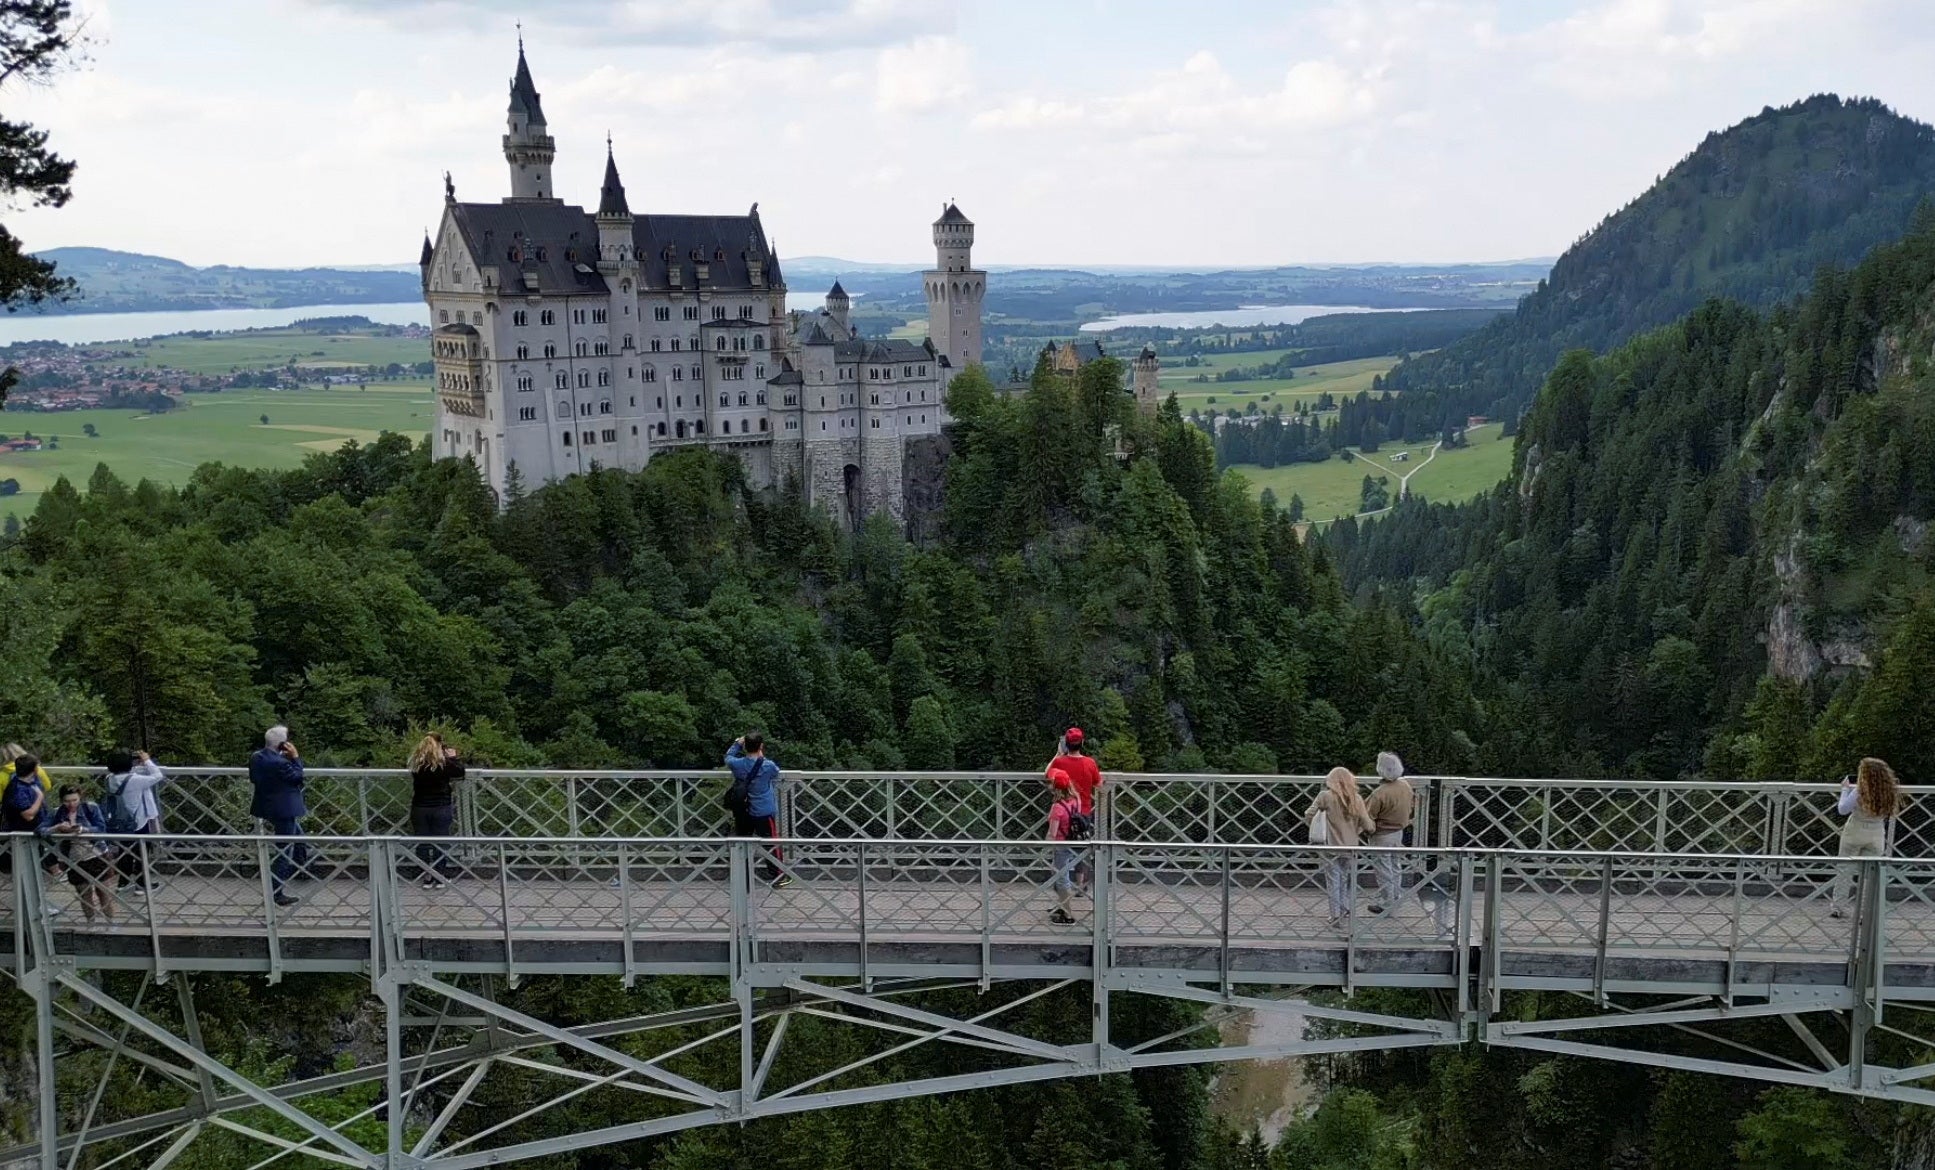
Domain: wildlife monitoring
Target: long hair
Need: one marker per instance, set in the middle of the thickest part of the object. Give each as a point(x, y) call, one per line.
point(1342, 786)
point(428, 753)
point(11, 752)
point(1880, 792)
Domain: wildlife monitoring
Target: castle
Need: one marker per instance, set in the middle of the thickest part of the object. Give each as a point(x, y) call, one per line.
point(565, 340)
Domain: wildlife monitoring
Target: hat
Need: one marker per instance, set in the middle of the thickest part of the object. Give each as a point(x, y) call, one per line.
point(1072, 736)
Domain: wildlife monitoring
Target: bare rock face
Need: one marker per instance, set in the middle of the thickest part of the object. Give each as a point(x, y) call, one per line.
point(923, 472)
point(1791, 655)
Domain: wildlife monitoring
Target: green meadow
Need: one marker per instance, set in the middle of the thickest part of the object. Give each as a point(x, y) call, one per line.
point(1333, 488)
point(1341, 379)
point(207, 428)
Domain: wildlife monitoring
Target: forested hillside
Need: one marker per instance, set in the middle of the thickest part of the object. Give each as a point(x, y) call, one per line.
point(1749, 215)
point(1713, 553)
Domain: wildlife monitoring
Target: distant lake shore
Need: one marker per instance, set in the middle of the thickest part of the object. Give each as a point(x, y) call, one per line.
point(1242, 317)
point(89, 328)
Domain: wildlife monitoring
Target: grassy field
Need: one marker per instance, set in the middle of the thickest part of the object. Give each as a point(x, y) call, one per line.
point(225, 428)
point(1332, 488)
point(1341, 379)
point(257, 349)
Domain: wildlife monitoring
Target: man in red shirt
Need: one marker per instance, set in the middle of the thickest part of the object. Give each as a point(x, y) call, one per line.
point(1072, 761)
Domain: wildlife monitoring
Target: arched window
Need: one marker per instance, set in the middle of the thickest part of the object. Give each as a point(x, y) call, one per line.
point(759, 342)
point(563, 382)
point(583, 348)
point(681, 428)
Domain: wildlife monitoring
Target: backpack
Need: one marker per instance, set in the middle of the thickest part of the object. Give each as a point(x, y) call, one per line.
point(738, 797)
point(118, 810)
point(1081, 826)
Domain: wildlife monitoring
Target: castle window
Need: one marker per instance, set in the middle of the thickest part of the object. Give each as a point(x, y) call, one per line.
point(527, 413)
point(718, 312)
point(906, 371)
point(611, 436)
point(590, 438)
point(604, 377)
point(583, 347)
point(634, 432)
point(699, 426)
point(655, 345)
point(584, 408)
point(651, 373)
point(722, 343)
point(601, 348)
point(691, 312)
point(722, 400)
point(876, 400)
point(598, 316)
point(661, 430)
point(659, 402)
point(681, 428)
point(628, 341)
point(564, 409)
point(520, 317)
point(759, 371)
point(876, 424)
point(526, 382)
point(742, 398)
point(584, 377)
point(550, 349)
point(759, 342)
point(760, 397)
point(792, 400)
point(923, 371)
point(577, 316)
point(523, 351)
point(792, 424)
point(822, 424)
point(477, 318)
point(677, 344)
point(678, 373)
point(443, 315)
point(567, 438)
point(661, 312)
point(563, 382)
point(634, 399)
point(604, 406)
point(697, 373)
point(745, 311)
point(547, 317)
point(762, 426)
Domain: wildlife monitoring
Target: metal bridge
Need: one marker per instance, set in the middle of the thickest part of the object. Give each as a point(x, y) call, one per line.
point(1709, 909)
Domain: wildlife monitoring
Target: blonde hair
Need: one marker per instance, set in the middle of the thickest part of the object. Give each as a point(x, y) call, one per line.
point(1342, 786)
point(427, 754)
point(11, 752)
point(1880, 792)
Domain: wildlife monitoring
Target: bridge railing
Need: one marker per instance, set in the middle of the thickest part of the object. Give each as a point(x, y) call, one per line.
point(1453, 812)
point(516, 895)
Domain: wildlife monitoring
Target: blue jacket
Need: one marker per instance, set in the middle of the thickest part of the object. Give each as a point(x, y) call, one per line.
point(278, 786)
point(762, 780)
point(87, 815)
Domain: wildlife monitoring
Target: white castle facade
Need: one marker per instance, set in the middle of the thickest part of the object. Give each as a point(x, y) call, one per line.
point(566, 340)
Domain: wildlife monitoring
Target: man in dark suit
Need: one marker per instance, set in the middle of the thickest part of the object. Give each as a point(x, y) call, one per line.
point(276, 772)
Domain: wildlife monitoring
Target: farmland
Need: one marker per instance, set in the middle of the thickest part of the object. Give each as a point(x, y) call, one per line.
point(1330, 489)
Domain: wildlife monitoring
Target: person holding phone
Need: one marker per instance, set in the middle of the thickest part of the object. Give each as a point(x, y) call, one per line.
point(276, 773)
point(1869, 799)
point(72, 825)
point(434, 767)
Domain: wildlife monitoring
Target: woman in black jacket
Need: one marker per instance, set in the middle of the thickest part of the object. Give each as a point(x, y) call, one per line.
point(434, 768)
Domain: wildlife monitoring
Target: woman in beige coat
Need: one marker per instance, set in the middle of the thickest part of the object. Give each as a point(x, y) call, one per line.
point(1347, 822)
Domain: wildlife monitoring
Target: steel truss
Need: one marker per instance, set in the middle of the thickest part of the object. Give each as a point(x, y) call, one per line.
point(444, 1037)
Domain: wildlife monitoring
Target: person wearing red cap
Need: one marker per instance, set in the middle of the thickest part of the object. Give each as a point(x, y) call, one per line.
point(1084, 779)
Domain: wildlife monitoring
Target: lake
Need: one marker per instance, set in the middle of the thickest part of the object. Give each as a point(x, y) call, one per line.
point(86, 328)
point(1241, 317)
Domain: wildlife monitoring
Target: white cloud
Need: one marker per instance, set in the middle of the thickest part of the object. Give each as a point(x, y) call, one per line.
point(788, 24)
point(923, 75)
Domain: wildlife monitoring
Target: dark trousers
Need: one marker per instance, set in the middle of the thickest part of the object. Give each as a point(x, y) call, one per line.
point(746, 825)
point(433, 820)
point(131, 863)
point(291, 855)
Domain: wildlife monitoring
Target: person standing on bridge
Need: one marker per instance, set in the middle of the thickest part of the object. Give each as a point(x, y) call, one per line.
point(1391, 806)
point(1085, 778)
point(755, 810)
point(1869, 799)
point(1346, 823)
point(434, 767)
point(1067, 824)
point(276, 773)
point(131, 807)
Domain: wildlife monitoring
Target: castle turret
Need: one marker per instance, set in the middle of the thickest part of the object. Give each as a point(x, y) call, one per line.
point(954, 290)
point(424, 261)
point(614, 216)
point(527, 147)
point(837, 306)
point(1148, 380)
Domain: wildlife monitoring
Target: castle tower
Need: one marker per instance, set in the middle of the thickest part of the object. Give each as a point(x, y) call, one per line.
point(837, 306)
point(1148, 380)
point(527, 147)
point(954, 290)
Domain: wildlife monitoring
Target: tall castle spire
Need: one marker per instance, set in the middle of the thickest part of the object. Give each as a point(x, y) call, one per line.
point(611, 198)
point(527, 147)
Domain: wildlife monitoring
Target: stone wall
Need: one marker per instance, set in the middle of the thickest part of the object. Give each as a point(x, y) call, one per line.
point(923, 479)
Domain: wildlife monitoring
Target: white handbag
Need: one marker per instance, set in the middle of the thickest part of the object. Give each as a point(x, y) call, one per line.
point(1320, 828)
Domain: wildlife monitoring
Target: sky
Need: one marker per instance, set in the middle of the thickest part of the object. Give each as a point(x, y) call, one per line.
point(1212, 133)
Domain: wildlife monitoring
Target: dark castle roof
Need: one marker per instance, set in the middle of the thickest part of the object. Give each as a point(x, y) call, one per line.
point(524, 94)
point(611, 198)
point(545, 248)
point(952, 214)
point(429, 253)
point(836, 293)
